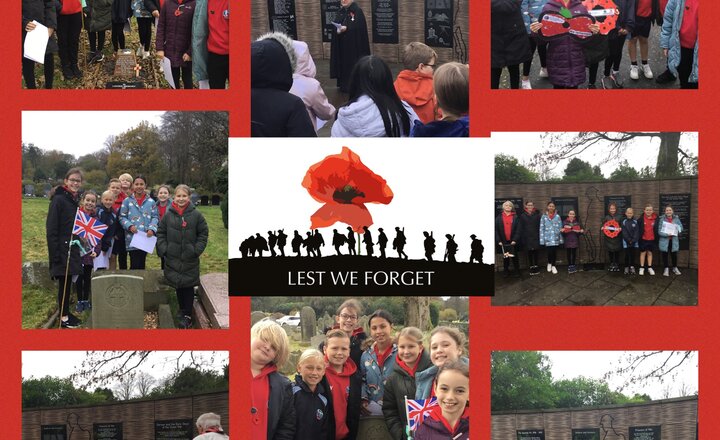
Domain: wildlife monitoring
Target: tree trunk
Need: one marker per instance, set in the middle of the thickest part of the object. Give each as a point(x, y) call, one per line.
point(417, 312)
point(667, 161)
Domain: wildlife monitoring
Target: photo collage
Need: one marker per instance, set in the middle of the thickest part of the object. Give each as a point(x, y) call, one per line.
point(163, 241)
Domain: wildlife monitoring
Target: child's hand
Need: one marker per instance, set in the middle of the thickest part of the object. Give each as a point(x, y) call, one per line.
point(534, 27)
point(160, 54)
point(594, 28)
point(133, 229)
point(93, 254)
point(622, 31)
point(30, 26)
point(186, 57)
point(665, 52)
point(342, 29)
point(156, 13)
point(150, 233)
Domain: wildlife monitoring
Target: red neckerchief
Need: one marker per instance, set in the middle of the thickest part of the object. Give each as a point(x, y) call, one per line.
point(71, 192)
point(668, 219)
point(140, 200)
point(382, 357)
point(405, 367)
point(178, 209)
point(530, 211)
point(451, 429)
point(87, 212)
point(551, 216)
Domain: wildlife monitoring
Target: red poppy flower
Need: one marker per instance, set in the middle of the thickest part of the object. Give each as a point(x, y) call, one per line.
point(344, 184)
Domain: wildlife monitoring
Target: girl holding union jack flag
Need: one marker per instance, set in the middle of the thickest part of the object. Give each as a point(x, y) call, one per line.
point(450, 418)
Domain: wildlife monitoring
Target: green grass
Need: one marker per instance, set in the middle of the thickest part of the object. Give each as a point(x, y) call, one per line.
point(38, 305)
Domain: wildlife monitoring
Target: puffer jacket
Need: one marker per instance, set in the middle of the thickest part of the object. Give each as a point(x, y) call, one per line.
point(362, 119)
point(612, 244)
point(530, 230)
point(174, 32)
point(58, 228)
point(565, 55)
point(571, 237)
point(181, 239)
point(664, 239)
point(550, 230)
point(108, 217)
point(435, 427)
point(144, 218)
point(101, 13)
point(416, 89)
point(509, 43)
point(424, 380)
point(670, 38)
point(398, 386)
point(374, 375)
point(307, 88)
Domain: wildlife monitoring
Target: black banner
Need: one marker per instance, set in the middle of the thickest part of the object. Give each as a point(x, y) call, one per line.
point(530, 434)
point(518, 201)
point(181, 429)
point(439, 23)
point(281, 14)
point(622, 202)
point(644, 432)
point(586, 434)
point(53, 432)
point(681, 207)
point(328, 9)
point(385, 21)
point(107, 431)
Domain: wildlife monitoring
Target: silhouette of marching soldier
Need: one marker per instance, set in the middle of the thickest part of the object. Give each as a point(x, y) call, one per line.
point(429, 244)
point(272, 241)
point(351, 241)
point(338, 241)
point(260, 244)
point(476, 249)
point(318, 242)
point(399, 242)
point(296, 242)
point(309, 244)
point(451, 249)
point(281, 241)
point(245, 247)
point(367, 239)
point(382, 242)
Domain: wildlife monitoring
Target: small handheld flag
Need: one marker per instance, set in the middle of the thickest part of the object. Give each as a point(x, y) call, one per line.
point(89, 228)
point(418, 410)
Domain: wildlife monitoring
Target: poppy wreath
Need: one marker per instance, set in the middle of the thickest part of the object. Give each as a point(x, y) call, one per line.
point(555, 25)
point(611, 228)
point(605, 12)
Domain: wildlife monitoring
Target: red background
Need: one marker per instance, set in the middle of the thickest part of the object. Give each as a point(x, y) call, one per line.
point(492, 328)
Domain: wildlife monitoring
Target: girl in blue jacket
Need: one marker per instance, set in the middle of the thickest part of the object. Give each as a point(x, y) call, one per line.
point(669, 242)
point(138, 215)
point(550, 236)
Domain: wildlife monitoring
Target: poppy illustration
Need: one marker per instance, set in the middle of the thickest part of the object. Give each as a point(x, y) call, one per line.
point(344, 184)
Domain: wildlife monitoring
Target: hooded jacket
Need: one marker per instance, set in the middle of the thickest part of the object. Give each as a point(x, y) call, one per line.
point(374, 375)
point(664, 239)
point(530, 229)
point(416, 89)
point(274, 111)
point(144, 217)
point(509, 42)
point(457, 128)
point(435, 427)
point(424, 380)
point(670, 38)
point(352, 417)
point(181, 239)
point(361, 118)
point(58, 228)
point(312, 410)
point(108, 217)
point(398, 386)
point(550, 230)
point(307, 88)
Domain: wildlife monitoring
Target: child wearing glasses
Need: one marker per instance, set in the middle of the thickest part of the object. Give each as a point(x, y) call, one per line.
point(346, 320)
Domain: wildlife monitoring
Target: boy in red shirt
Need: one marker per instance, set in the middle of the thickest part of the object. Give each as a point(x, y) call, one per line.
point(414, 85)
point(343, 379)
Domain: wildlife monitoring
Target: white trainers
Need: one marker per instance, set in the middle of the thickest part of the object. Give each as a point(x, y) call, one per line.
point(543, 72)
point(554, 270)
point(641, 272)
point(549, 267)
point(146, 55)
point(646, 71)
point(651, 271)
point(525, 84)
point(666, 272)
point(139, 51)
point(634, 72)
point(676, 271)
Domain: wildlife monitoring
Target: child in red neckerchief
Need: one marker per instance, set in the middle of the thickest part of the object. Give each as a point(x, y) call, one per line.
point(343, 379)
point(646, 225)
point(451, 418)
point(182, 237)
point(209, 428)
point(272, 415)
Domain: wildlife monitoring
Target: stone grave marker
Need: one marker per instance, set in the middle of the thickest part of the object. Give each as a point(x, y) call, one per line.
point(125, 64)
point(316, 340)
point(255, 317)
point(363, 321)
point(308, 323)
point(118, 301)
point(216, 199)
point(213, 294)
point(204, 200)
point(373, 428)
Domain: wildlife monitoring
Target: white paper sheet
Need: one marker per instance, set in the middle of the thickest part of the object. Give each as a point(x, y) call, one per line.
point(319, 123)
point(168, 72)
point(36, 42)
point(669, 228)
point(102, 261)
point(142, 242)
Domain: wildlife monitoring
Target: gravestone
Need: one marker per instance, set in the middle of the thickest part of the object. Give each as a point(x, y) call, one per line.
point(174, 429)
point(118, 301)
point(292, 332)
point(325, 322)
point(108, 431)
point(645, 432)
point(363, 321)
point(29, 190)
point(316, 340)
point(194, 197)
point(38, 273)
point(373, 428)
point(204, 200)
point(216, 199)
point(213, 294)
point(256, 317)
point(308, 323)
point(125, 64)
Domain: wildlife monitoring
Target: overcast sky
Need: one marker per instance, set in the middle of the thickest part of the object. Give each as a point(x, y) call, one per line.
point(641, 152)
point(80, 132)
point(594, 364)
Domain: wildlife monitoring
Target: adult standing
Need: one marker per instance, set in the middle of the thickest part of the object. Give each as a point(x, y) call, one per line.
point(44, 12)
point(349, 43)
point(64, 264)
point(138, 215)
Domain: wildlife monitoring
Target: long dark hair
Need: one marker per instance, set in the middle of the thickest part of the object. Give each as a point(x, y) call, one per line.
point(371, 76)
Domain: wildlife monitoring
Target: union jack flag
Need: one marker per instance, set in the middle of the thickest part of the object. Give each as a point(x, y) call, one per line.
point(89, 228)
point(418, 410)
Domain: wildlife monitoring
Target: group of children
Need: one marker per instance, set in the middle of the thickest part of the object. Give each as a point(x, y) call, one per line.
point(531, 230)
point(516, 34)
point(193, 34)
point(126, 209)
point(351, 376)
point(423, 101)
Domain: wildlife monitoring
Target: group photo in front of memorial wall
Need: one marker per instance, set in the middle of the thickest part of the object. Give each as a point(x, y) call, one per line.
point(596, 218)
point(132, 395)
point(372, 368)
point(360, 68)
point(124, 225)
point(594, 395)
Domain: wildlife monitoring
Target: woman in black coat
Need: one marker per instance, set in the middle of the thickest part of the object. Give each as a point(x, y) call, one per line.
point(45, 13)
point(509, 42)
point(349, 43)
point(59, 226)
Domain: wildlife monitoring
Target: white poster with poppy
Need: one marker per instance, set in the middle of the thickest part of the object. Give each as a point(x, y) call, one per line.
point(309, 213)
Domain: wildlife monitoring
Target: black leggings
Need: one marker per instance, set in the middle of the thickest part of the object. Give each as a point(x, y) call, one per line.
point(614, 256)
point(137, 259)
point(145, 31)
point(551, 254)
point(630, 256)
point(97, 41)
point(555, 86)
point(542, 52)
point(186, 76)
point(68, 33)
point(571, 255)
point(83, 283)
point(684, 69)
point(515, 261)
point(673, 257)
point(28, 71)
point(118, 36)
point(514, 72)
point(64, 303)
point(218, 70)
point(185, 297)
point(532, 257)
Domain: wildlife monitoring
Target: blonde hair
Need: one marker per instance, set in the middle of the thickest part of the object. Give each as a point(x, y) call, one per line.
point(453, 332)
point(452, 89)
point(183, 187)
point(310, 354)
point(108, 192)
point(351, 303)
point(416, 53)
point(126, 177)
point(508, 202)
point(113, 180)
point(271, 332)
point(413, 333)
